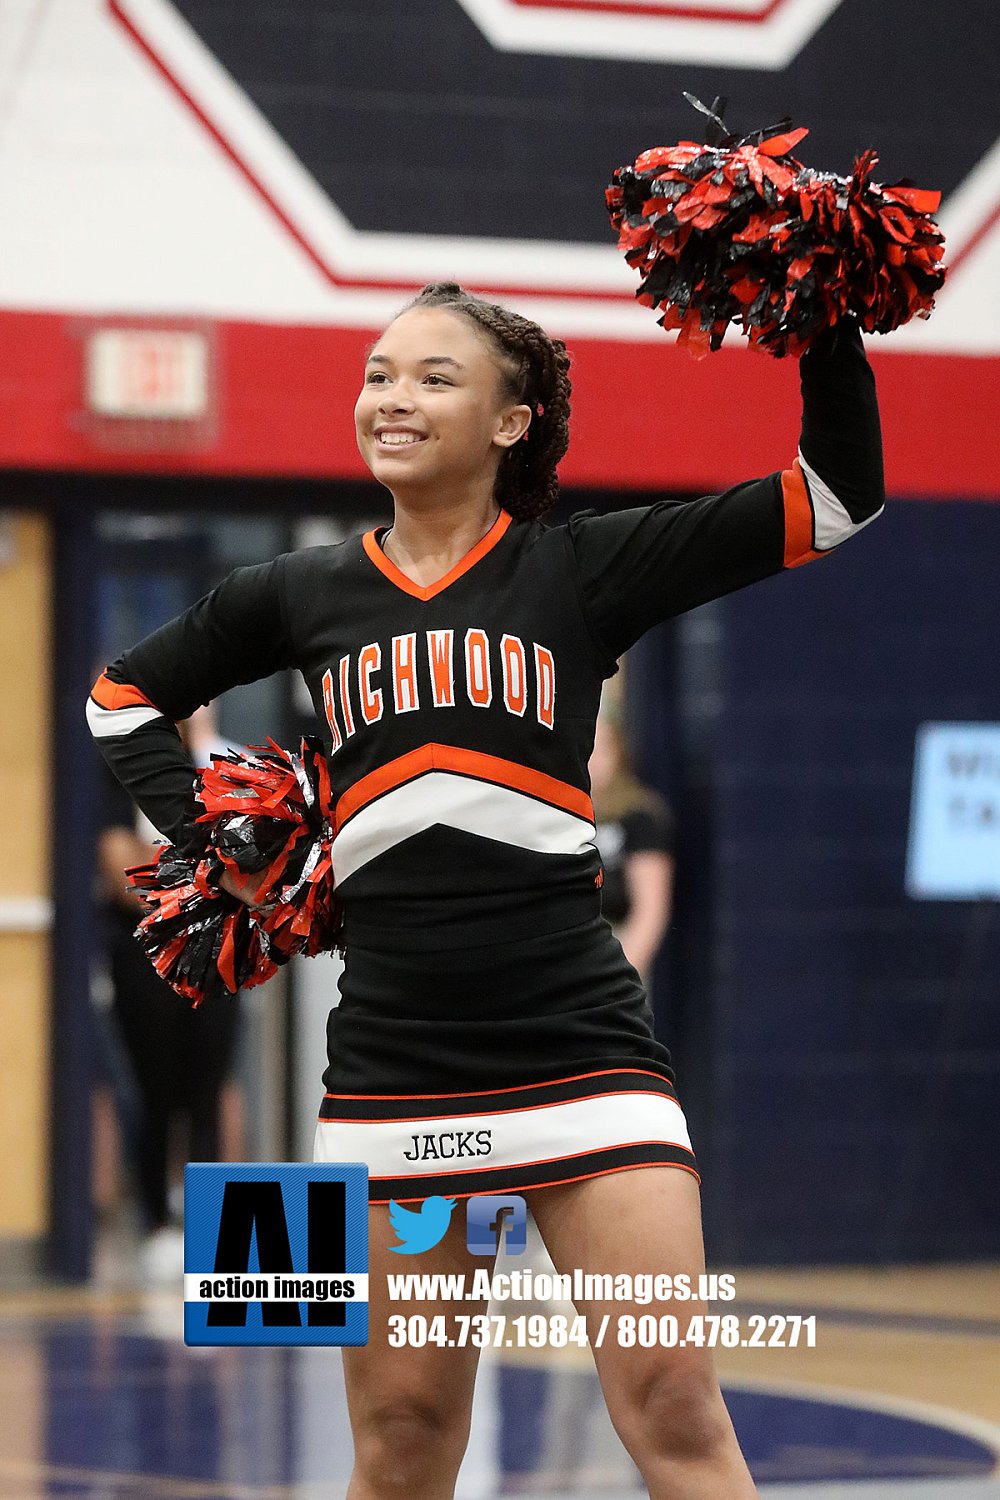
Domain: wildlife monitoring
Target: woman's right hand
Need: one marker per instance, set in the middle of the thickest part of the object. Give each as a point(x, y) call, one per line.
point(243, 887)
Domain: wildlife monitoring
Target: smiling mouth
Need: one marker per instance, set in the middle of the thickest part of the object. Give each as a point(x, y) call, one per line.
point(397, 439)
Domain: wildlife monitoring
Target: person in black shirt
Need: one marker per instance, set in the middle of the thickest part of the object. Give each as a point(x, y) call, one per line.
point(635, 837)
point(491, 1035)
point(178, 1058)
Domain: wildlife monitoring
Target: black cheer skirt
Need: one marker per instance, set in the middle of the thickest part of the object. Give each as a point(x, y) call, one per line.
point(497, 1068)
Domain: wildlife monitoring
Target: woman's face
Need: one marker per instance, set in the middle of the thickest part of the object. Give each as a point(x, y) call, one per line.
point(433, 409)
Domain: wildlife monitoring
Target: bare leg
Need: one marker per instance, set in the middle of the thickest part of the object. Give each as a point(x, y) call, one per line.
point(665, 1403)
point(410, 1408)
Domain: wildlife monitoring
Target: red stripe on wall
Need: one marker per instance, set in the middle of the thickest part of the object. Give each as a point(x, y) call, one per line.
point(645, 416)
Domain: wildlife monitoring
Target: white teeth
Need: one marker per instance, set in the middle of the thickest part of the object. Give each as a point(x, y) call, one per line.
point(398, 439)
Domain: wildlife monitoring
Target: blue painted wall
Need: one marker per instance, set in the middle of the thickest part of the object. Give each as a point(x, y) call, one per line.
point(838, 1042)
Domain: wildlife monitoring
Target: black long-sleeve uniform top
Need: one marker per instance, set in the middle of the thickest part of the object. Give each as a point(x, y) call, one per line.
point(460, 716)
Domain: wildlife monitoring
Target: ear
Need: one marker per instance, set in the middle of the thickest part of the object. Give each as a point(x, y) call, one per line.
point(513, 426)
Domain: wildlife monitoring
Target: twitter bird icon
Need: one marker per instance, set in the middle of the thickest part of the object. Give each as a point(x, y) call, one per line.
point(422, 1228)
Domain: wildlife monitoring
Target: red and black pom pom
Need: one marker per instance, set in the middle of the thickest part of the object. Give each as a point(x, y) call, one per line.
point(267, 814)
point(739, 231)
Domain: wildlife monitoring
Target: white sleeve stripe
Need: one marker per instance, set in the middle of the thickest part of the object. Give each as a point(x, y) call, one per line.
point(831, 522)
point(105, 722)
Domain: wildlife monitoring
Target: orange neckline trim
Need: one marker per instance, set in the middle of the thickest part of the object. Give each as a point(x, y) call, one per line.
point(399, 578)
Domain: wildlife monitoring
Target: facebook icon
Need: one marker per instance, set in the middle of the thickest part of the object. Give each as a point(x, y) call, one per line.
point(490, 1215)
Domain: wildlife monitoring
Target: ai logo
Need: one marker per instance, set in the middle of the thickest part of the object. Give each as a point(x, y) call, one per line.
point(275, 1253)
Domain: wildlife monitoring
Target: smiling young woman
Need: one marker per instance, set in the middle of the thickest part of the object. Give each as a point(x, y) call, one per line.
point(491, 1036)
point(459, 433)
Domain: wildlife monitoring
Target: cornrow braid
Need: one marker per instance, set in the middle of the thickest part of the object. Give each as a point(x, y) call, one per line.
point(537, 369)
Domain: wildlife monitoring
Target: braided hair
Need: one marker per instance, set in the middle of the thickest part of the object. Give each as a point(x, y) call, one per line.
point(537, 375)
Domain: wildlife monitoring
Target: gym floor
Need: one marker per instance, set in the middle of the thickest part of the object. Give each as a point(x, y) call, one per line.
point(899, 1400)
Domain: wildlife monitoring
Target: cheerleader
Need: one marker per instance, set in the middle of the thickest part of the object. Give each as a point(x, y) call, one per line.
point(491, 1036)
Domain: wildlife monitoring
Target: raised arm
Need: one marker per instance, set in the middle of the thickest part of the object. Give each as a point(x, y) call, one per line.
point(640, 566)
point(237, 633)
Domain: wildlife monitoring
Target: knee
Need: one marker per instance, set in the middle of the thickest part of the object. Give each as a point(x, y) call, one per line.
point(673, 1414)
point(404, 1443)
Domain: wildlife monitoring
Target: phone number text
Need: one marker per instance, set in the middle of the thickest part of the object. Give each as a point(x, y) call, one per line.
point(645, 1331)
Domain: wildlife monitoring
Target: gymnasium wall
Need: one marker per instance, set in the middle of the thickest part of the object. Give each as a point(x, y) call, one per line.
point(25, 883)
point(275, 181)
point(838, 1041)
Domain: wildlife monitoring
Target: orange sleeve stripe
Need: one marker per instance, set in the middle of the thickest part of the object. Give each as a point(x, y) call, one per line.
point(108, 694)
point(798, 518)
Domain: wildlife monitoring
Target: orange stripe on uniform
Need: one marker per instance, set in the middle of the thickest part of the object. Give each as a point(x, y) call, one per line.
point(514, 1088)
point(798, 518)
point(556, 1182)
point(108, 694)
point(545, 1161)
point(467, 762)
point(403, 581)
point(487, 1113)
